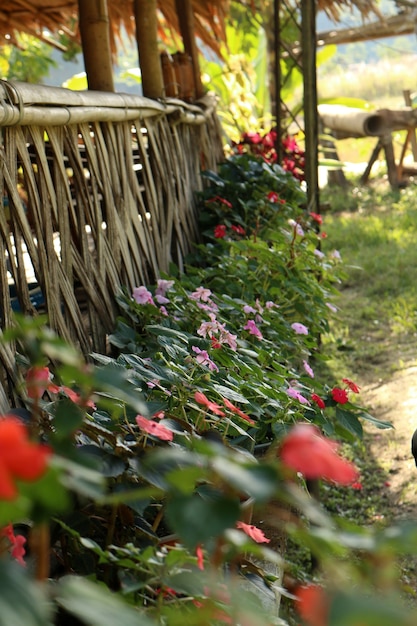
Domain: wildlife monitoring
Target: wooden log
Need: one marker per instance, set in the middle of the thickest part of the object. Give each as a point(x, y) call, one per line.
point(346, 121)
point(187, 28)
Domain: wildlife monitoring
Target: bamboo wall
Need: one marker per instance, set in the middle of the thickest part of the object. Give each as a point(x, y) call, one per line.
point(98, 192)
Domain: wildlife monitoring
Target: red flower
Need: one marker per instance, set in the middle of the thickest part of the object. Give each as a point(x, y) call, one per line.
point(20, 458)
point(221, 200)
point(238, 229)
point(200, 557)
point(357, 485)
point(273, 196)
point(155, 429)
point(319, 401)
point(313, 605)
point(220, 231)
point(352, 386)
point(317, 218)
point(236, 410)
point(212, 406)
point(339, 395)
point(253, 532)
point(215, 344)
point(305, 450)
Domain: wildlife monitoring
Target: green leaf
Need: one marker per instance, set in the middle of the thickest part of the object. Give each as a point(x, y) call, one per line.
point(22, 602)
point(67, 418)
point(257, 481)
point(349, 421)
point(378, 423)
point(197, 520)
point(95, 604)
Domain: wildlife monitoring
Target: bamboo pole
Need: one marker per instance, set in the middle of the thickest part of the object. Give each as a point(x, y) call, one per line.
point(95, 38)
point(147, 42)
point(186, 21)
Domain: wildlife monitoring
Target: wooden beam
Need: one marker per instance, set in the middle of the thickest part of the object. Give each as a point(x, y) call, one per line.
point(95, 39)
point(148, 49)
point(187, 29)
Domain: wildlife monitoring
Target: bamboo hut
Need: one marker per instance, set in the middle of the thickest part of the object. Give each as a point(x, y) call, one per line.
point(98, 188)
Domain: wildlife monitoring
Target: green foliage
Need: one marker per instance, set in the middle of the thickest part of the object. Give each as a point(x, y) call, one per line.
point(29, 62)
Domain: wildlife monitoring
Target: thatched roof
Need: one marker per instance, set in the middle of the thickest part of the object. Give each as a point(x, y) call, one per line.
point(37, 16)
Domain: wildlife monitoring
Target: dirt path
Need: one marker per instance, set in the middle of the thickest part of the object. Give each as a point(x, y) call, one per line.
point(395, 401)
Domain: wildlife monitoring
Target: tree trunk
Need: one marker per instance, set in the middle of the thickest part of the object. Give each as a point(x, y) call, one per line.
point(147, 41)
point(95, 38)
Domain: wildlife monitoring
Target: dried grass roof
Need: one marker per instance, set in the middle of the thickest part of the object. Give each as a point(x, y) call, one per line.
point(36, 16)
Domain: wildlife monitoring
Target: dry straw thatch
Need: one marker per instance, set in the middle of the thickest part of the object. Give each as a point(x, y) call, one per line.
point(36, 16)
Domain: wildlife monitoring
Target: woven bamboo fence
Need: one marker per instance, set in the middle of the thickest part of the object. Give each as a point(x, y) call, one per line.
point(98, 192)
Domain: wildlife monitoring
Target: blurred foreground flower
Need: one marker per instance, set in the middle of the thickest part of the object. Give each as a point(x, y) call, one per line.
point(305, 450)
point(20, 458)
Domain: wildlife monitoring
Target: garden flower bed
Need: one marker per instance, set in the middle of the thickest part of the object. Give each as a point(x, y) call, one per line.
point(154, 466)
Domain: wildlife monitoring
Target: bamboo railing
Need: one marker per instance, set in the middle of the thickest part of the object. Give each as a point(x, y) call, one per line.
point(98, 192)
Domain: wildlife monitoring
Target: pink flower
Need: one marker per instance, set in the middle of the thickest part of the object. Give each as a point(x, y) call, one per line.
point(161, 299)
point(320, 403)
point(308, 369)
point(252, 328)
point(270, 305)
point(141, 295)
point(16, 543)
point(248, 310)
point(331, 307)
point(153, 428)
point(339, 395)
point(300, 329)
point(305, 450)
point(296, 395)
point(203, 359)
point(236, 410)
point(163, 286)
point(220, 231)
point(352, 386)
point(253, 532)
point(215, 408)
point(201, 293)
point(38, 380)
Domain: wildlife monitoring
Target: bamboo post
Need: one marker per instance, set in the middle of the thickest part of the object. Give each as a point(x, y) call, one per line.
point(147, 42)
point(95, 38)
point(308, 31)
point(186, 21)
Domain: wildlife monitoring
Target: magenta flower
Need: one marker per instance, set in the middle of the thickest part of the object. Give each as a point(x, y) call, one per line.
point(252, 328)
point(300, 329)
point(142, 296)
